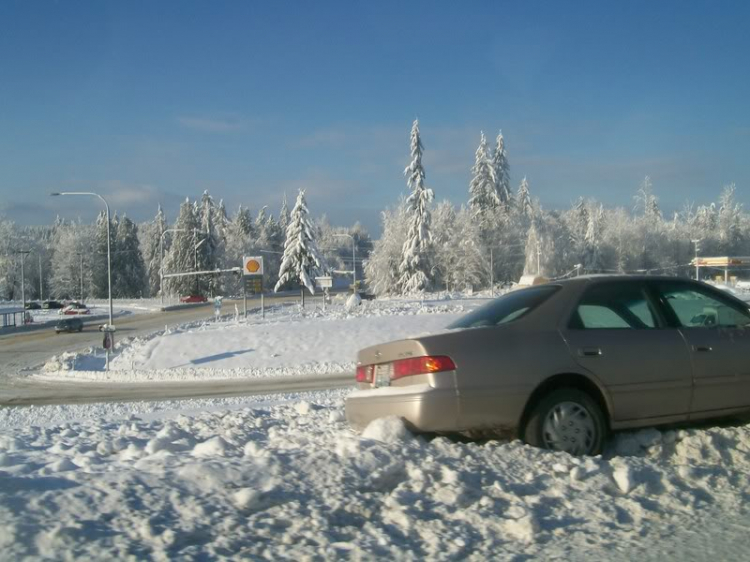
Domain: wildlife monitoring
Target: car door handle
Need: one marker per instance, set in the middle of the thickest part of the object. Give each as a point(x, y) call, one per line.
point(590, 352)
point(704, 348)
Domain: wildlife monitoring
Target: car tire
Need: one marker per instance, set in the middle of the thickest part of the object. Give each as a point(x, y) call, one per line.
point(567, 419)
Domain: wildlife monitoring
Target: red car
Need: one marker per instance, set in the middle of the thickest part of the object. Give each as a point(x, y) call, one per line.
point(76, 308)
point(193, 298)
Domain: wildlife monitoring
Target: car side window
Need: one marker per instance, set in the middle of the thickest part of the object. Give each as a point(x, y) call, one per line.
point(614, 306)
point(695, 308)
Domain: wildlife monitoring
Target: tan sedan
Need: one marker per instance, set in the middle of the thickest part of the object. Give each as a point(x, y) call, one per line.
point(562, 364)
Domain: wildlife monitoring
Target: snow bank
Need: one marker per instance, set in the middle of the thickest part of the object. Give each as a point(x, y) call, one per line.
point(291, 341)
point(292, 480)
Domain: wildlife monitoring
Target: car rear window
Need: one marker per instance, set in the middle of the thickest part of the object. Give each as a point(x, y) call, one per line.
point(507, 308)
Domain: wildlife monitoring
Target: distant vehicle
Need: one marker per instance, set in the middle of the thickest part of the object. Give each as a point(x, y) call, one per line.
point(562, 364)
point(69, 325)
point(193, 298)
point(33, 305)
point(52, 304)
point(76, 308)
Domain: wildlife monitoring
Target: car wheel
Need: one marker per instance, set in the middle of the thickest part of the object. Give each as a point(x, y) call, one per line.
point(567, 420)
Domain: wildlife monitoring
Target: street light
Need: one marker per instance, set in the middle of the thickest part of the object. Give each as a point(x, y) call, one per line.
point(161, 260)
point(109, 254)
point(354, 260)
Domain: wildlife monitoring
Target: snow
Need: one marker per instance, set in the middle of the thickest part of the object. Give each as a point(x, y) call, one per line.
point(242, 479)
point(288, 342)
point(287, 477)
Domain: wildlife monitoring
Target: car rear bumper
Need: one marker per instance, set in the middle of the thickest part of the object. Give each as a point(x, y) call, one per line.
point(423, 408)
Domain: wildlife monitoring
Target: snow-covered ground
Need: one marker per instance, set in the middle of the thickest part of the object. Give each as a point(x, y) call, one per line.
point(290, 341)
point(236, 479)
point(286, 477)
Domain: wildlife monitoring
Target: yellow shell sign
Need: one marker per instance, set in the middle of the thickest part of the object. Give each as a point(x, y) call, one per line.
point(253, 266)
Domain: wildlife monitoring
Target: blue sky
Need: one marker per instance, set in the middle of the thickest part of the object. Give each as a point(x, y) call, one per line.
point(149, 102)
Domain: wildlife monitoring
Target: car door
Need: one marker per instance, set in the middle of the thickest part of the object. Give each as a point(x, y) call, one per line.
point(717, 330)
point(617, 333)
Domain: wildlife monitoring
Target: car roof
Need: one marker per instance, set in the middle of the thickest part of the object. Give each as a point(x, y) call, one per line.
point(598, 277)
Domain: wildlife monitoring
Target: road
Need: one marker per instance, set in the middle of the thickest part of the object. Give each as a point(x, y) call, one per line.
point(30, 350)
point(25, 392)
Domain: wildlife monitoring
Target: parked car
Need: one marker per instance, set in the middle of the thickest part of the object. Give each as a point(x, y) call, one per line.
point(33, 305)
point(52, 304)
point(76, 308)
point(193, 298)
point(69, 325)
point(562, 364)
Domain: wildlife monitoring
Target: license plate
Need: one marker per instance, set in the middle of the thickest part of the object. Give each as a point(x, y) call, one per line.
point(383, 374)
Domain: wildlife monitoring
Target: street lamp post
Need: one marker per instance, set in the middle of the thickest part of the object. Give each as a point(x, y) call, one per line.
point(354, 260)
point(23, 254)
point(161, 259)
point(109, 253)
point(697, 244)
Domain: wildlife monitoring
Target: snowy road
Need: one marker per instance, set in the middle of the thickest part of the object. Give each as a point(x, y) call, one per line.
point(28, 391)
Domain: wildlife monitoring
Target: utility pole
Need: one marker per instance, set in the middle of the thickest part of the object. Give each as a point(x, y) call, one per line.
point(697, 244)
point(23, 254)
point(41, 284)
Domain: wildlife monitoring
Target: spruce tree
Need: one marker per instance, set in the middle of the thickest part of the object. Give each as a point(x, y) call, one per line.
point(181, 257)
point(128, 269)
point(414, 271)
point(301, 261)
point(523, 200)
point(501, 170)
point(482, 189)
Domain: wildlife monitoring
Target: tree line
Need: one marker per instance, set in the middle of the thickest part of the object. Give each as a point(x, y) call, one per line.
point(497, 235)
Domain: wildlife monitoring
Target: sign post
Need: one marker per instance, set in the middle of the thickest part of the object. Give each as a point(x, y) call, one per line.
point(252, 270)
point(325, 283)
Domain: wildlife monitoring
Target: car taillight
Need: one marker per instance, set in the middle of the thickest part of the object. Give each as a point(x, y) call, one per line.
point(422, 366)
point(364, 373)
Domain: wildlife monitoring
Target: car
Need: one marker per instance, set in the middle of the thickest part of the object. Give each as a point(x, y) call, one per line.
point(562, 364)
point(69, 325)
point(193, 298)
point(76, 308)
point(32, 306)
point(52, 304)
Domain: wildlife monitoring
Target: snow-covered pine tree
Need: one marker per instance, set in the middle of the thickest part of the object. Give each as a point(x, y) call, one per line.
point(152, 246)
point(414, 271)
point(128, 269)
point(99, 277)
point(382, 266)
point(181, 256)
point(283, 215)
point(483, 194)
point(523, 200)
point(301, 261)
point(501, 169)
point(209, 245)
point(71, 243)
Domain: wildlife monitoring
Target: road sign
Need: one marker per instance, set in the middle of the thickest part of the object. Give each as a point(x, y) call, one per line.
point(252, 265)
point(324, 282)
point(253, 284)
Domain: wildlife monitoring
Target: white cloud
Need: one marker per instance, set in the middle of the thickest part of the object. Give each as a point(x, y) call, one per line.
point(227, 124)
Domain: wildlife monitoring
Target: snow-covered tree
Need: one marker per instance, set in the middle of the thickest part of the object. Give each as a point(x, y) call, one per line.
point(483, 194)
point(151, 244)
point(592, 241)
point(382, 266)
point(729, 221)
point(128, 269)
point(523, 200)
point(72, 261)
point(414, 270)
point(283, 215)
point(182, 255)
point(301, 261)
point(501, 170)
point(99, 275)
point(210, 247)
